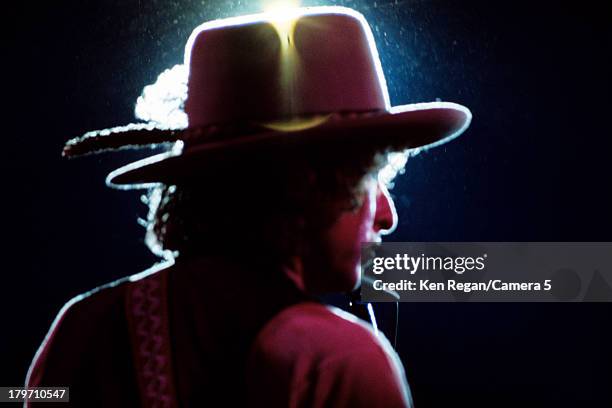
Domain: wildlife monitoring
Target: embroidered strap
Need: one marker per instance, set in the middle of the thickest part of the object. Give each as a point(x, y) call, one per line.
point(147, 314)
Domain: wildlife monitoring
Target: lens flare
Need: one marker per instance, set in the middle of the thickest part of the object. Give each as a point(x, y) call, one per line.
point(282, 14)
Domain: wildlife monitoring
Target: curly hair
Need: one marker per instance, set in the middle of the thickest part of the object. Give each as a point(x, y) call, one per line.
point(268, 206)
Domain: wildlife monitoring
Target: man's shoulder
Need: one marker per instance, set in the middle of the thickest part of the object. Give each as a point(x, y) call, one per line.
point(316, 329)
point(105, 300)
point(322, 356)
point(94, 320)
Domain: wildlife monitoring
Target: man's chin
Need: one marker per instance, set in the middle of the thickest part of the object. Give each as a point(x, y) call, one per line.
point(348, 279)
point(334, 281)
point(332, 274)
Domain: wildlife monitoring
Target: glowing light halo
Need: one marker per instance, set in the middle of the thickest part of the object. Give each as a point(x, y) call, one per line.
point(162, 102)
point(282, 15)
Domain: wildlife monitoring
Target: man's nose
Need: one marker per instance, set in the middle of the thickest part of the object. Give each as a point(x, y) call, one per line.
point(385, 219)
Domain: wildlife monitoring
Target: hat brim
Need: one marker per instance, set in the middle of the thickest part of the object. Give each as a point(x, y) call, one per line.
point(413, 126)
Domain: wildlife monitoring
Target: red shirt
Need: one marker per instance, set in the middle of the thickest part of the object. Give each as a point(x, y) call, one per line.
point(312, 355)
point(159, 338)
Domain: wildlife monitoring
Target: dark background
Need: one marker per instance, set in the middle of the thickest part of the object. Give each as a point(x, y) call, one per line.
point(534, 166)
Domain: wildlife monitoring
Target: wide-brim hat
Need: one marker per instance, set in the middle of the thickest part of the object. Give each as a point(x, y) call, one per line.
point(271, 83)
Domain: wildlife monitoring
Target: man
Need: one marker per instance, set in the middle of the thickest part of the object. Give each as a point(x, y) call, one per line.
point(259, 207)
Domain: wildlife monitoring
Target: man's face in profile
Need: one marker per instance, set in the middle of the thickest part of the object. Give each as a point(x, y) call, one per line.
point(374, 217)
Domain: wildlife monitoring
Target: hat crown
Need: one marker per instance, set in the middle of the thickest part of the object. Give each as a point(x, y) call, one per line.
point(250, 74)
point(255, 68)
